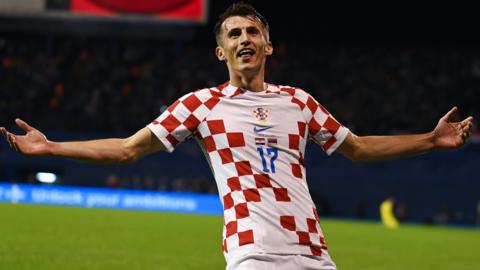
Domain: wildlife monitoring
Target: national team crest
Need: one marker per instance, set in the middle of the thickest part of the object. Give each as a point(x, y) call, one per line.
point(261, 113)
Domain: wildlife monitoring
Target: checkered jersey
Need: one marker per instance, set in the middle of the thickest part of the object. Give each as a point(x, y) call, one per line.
point(255, 144)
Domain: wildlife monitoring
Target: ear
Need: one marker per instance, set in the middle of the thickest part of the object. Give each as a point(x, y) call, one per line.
point(220, 54)
point(269, 48)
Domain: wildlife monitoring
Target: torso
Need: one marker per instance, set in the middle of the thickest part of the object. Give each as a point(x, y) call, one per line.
point(255, 144)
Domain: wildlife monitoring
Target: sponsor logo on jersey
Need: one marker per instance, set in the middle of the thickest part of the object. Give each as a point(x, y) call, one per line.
point(261, 113)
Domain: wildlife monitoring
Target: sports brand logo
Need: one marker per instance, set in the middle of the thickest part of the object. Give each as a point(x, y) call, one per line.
point(261, 113)
point(260, 130)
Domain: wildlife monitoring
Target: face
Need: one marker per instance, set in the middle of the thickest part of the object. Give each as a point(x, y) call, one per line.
point(243, 44)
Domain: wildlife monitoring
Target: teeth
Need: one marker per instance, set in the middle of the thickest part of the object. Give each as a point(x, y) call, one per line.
point(244, 52)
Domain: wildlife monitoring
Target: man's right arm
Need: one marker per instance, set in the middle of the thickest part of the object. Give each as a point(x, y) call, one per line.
point(126, 150)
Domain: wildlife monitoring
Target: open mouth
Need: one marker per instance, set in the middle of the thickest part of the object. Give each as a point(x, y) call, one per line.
point(245, 53)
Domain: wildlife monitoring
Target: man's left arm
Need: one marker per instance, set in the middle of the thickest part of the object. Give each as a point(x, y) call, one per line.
point(446, 135)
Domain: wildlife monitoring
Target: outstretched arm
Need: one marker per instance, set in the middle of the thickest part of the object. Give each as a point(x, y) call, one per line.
point(446, 135)
point(127, 150)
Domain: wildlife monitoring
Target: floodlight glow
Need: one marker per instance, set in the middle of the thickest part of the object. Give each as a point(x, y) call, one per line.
point(45, 177)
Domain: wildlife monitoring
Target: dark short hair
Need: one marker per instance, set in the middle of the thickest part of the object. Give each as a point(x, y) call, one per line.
point(238, 9)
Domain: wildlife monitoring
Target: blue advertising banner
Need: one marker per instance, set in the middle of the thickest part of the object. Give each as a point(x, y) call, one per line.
point(108, 198)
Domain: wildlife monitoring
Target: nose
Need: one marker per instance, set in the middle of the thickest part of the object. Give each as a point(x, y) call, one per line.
point(245, 38)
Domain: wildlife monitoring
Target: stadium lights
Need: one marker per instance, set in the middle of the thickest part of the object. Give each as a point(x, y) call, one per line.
point(46, 177)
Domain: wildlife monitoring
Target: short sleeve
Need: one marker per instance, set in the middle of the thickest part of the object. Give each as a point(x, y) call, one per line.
point(182, 118)
point(323, 128)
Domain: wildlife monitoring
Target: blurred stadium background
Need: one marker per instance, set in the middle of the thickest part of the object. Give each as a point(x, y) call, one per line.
point(83, 69)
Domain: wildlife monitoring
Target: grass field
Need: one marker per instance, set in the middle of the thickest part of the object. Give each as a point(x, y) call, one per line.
point(47, 237)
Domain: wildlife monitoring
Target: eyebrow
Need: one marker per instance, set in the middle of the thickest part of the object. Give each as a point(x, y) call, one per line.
point(249, 28)
point(233, 30)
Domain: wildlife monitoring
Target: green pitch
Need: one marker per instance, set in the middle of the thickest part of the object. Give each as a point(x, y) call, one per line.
point(47, 237)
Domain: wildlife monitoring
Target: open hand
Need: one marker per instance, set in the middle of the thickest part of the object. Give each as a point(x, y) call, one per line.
point(449, 134)
point(33, 143)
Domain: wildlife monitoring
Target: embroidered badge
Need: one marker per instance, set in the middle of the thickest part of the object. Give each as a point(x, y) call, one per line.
point(261, 113)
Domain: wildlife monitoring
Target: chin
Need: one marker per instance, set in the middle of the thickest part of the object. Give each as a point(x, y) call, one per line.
point(248, 67)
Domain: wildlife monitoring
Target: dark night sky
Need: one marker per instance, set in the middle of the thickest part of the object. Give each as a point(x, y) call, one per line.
point(388, 21)
point(336, 20)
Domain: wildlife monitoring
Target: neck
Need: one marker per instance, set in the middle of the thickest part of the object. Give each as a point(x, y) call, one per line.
point(252, 82)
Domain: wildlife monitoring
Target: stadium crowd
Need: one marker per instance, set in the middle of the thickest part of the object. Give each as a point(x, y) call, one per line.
point(116, 85)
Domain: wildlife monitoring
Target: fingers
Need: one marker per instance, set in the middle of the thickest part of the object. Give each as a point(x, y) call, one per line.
point(4, 132)
point(450, 114)
point(7, 135)
point(10, 138)
point(23, 125)
point(12, 142)
point(468, 122)
point(466, 128)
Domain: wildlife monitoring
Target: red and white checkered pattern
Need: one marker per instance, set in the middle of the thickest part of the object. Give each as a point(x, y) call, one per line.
point(322, 126)
point(244, 185)
point(182, 118)
point(241, 194)
point(297, 142)
point(263, 212)
point(307, 232)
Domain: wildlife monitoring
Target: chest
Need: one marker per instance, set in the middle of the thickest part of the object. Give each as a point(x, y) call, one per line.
point(256, 123)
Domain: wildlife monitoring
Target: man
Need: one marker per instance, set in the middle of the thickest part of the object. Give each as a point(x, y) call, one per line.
point(254, 136)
